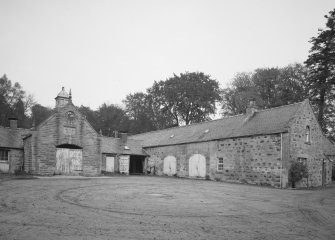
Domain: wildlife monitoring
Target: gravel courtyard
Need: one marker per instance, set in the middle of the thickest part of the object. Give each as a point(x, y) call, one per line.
point(140, 207)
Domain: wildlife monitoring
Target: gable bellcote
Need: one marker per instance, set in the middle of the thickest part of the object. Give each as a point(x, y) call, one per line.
point(62, 98)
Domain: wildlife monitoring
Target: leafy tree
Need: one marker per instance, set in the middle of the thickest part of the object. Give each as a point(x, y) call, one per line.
point(12, 103)
point(91, 116)
point(111, 118)
point(270, 87)
point(188, 98)
point(237, 96)
point(40, 113)
point(321, 74)
point(139, 110)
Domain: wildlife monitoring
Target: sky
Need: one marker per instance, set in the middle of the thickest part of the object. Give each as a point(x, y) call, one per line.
point(104, 50)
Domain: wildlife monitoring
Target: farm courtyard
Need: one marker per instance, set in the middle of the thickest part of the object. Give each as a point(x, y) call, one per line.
point(143, 207)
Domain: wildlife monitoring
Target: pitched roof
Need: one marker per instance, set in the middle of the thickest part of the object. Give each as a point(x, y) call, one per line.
point(12, 138)
point(269, 121)
point(114, 145)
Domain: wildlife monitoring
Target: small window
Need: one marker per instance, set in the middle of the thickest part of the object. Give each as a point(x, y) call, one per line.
point(4, 155)
point(308, 135)
point(303, 161)
point(220, 165)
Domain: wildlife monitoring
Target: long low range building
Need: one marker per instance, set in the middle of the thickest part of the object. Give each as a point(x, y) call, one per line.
point(257, 147)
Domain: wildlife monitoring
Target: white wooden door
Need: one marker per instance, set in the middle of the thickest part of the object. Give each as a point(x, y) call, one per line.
point(124, 164)
point(197, 166)
point(109, 164)
point(170, 167)
point(68, 160)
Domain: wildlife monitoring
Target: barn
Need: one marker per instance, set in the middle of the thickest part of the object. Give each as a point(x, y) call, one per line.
point(257, 147)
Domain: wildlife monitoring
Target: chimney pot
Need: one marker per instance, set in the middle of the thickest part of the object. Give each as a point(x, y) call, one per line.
point(13, 123)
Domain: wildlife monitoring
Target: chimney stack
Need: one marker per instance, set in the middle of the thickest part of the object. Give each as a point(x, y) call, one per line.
point(13, 123)
point(123, 139)
point(252, 107)
point(116, 134)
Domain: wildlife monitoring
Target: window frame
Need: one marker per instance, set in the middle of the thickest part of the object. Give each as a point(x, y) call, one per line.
point(3, 160)
point(307, 134)
point(219, 167)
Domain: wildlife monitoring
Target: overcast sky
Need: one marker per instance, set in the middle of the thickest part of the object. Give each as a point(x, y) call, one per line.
point(104, 50)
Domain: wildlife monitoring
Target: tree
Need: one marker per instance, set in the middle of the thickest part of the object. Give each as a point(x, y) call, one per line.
point(111, 118)
point(188, 98)
point(11, 101)
point(270, 87)
point(40, 113)
point(139, 111)
point(237, 96)
point(321, 74)
point(91, 116)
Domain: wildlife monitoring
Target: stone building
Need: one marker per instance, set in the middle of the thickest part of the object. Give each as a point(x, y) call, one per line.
point(256, 148)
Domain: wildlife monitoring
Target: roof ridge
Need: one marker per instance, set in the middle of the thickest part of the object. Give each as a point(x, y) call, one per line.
point(219, 119)
point(14, 128)
point(183, 126)
point(268, 109)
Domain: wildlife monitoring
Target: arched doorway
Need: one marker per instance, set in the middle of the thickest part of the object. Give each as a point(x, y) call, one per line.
point(170, 166)
point(197, 166)
point(69, 159)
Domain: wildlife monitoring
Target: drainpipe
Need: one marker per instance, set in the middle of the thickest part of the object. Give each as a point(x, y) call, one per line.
point(281, 158)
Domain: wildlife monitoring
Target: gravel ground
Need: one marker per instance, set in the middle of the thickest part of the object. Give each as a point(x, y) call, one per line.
point(140, 207)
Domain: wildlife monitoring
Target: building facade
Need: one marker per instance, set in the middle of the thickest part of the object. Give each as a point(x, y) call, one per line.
point(255, 148)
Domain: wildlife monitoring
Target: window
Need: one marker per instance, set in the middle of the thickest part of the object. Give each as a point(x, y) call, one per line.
point(220, 165)
point(303, 161)
point(308, 134)
point(4, 155)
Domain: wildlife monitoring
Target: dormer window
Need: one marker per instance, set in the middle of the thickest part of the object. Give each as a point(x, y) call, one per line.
point(308, 135)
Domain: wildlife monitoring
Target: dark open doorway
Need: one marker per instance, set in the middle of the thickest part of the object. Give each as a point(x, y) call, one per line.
point(136, 164)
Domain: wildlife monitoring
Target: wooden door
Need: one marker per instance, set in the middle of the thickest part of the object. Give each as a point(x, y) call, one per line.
point(124, 164)
point(68, 160)
point(170, 167)
point(197, 166)
point(109, 164)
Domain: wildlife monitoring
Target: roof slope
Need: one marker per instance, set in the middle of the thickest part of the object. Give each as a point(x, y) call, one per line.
point(273, 120)
point(115, 146)
point(12, 138)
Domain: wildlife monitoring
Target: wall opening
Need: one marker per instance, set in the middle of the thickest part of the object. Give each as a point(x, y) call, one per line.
point(136, 164)
point(69, 146)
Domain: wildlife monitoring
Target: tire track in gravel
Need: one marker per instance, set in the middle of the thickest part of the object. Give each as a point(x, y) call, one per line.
point(60, 196)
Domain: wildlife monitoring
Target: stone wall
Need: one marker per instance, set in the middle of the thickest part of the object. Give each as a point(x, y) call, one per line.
point(15, 160)
point(14, 163)
point(254, 160)
point(312, 150)
point(58, 130)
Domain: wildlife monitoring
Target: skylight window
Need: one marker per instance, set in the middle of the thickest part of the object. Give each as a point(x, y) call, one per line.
point(126, 148)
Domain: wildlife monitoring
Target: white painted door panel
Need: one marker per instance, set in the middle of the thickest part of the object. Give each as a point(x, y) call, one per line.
point(68, 160)
point(109, 164)
point(170, 167)
point(197, 166)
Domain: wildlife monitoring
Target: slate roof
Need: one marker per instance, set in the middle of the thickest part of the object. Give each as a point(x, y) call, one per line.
point(269, 121)
point(12, 138)
point(114, 145)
